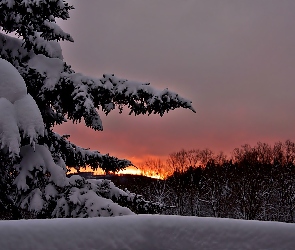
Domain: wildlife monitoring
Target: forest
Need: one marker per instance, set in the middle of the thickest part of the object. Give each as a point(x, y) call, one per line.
point(254, 183)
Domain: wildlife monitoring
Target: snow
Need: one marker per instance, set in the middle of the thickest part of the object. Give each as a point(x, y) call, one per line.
point(49, 67)
point(54, 28)
point(38, 158)
point(17, 51)
point(17, 108)
point(9, 3)
point(12, 47)
point(96, 206)
point(29, 117)
point(37, 202)
point(112, 190)
point(50, 191)
point(13, 86)
point(9, 133)
point(145, 232)
point(88, 201)
point(60, 162)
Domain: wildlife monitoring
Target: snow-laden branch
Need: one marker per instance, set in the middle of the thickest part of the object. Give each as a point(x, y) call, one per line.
point(34, 19)
point(88, 94)
point(18, 110)
point(79, 96)
point(75, 156)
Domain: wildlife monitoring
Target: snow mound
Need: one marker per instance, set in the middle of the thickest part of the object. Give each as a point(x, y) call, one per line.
point(146, 232)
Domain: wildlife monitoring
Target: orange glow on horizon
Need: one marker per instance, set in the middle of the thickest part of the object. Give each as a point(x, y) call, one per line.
point(128, 170)
point(138, 169)
point(131, 170)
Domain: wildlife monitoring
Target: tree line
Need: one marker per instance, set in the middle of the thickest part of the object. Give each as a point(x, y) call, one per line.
point(254, 183)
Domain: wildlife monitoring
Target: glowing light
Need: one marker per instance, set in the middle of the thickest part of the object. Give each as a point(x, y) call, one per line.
point(140, 169)
point(131, 170)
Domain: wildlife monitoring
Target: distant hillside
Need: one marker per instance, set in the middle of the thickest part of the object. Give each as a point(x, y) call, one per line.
point(134, 183)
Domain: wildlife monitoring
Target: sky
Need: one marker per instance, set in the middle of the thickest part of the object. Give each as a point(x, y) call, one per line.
point(233, 59)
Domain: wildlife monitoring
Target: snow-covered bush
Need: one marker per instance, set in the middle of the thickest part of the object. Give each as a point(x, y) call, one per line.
point(42, 90)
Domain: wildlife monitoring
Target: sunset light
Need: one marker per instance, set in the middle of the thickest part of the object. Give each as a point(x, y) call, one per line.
point(181, 112)
point(238, 78)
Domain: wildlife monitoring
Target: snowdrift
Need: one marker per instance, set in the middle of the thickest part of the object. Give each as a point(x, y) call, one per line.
point(145, 232)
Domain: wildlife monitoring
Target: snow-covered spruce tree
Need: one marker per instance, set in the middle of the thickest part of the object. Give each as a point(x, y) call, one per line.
point(34, 158)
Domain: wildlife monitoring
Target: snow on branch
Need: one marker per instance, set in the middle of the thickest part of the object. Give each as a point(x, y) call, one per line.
point(75, 156)
point(39, 158)
point(27, 18)
point(141, 98)
point(81, 96)
point(18, 110)
point(71, 94)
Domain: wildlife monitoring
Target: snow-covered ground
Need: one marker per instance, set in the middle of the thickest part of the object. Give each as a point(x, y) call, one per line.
point(145, 232)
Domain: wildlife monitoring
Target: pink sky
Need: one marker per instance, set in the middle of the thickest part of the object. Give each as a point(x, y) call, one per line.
point(234, 59)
